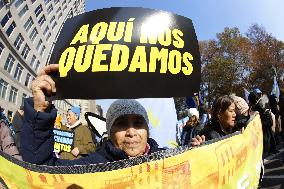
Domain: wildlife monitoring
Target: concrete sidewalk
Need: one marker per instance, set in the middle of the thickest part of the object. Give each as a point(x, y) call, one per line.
point(274, 170)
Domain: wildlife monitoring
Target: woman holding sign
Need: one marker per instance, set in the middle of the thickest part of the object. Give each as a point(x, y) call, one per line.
point(126, 120)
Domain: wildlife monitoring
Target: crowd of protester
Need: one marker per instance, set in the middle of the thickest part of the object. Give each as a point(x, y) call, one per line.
point(128, 127)
point(230, 113)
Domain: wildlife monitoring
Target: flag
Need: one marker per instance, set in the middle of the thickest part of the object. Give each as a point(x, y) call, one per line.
point(201, 103)
point(275, 89)
point(162, 119)
point(191, 102)
point(246, 95)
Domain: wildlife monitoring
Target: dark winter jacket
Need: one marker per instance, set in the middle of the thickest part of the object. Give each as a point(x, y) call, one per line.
point(212, 130)
point(241, 122)
point(187, 134)
point(264, 110)
point(37, 143)
point(281, 106)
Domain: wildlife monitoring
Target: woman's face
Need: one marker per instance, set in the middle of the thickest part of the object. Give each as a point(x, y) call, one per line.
point(129, 133)
point(227, 118)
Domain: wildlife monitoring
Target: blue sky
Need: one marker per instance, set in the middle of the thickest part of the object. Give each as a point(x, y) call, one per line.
point(211, 16)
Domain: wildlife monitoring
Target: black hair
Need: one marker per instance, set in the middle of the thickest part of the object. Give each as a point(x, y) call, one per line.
point(221, 104)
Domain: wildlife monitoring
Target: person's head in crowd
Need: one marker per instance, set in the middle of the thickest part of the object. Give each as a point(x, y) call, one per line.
point(242, 107)
point(73, 115)
point(254, 96)
point(127, 126)
point(223, 111)
point(258, 101)
point(193, 115)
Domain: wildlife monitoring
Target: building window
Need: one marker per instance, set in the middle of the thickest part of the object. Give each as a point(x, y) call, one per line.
point(18, 3)
point(33, 1)
point(49, 9)
point(56, 1)
point(6, 18)
point(46, 1)
point(19, 41)
point(45, 30)
point(57, 11)
point(28, 24)
point(23, 11)
point(54, 24)
point(18, 72)
point(27, 81)
point(42, 50)
point(37, 66)
point(1, 48)
point(39, 45)
point(64, 7)
point(33, 61)
point(52, 19)
point(60, 14)
point(33, 34)
point(2, 4)
point(26, 51)
point(3, 88)
point(23, 98)
point(41, 20)
point(11, 28)
point(13, 95)
point(48, 36)
point(38, 10)
point(9, 63)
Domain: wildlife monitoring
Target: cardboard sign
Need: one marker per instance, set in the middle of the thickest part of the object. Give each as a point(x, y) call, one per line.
point(126, 53)
point(63, 140)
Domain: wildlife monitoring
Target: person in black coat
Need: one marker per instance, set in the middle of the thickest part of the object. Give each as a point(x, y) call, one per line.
point(126, 121)
point(281, 112)
point(222, 121)
point(260, 102)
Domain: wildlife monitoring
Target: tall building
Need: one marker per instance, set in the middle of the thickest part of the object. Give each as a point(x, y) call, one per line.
point(29, 30)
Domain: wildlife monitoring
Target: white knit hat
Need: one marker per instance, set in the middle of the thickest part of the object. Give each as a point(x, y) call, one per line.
point(124, 107)
point(193, 112)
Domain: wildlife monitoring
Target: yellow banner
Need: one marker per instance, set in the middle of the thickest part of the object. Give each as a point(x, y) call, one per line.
point(234, 162)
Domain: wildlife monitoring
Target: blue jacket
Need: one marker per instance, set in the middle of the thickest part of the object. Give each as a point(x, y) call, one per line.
point(37, 141)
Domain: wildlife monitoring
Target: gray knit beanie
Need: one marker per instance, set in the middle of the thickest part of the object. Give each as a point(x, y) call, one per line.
point(124, 107)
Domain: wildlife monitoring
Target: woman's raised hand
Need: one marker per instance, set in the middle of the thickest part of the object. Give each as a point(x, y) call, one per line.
point(43, 85)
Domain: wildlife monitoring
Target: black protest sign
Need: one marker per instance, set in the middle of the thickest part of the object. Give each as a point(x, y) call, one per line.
point(127, 53)
point(63, 140)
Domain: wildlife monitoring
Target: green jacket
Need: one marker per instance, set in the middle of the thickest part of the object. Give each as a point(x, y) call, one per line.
point(82, 140)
